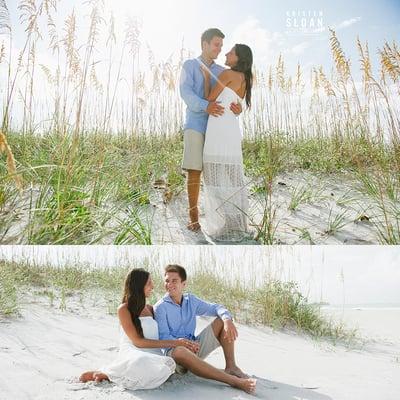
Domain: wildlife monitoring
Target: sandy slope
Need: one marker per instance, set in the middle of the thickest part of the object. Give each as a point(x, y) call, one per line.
point(43, 352)
point(332, 197)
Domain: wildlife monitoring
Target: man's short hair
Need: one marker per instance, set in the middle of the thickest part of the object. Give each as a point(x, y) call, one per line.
point(210, 33)
point(178, 269)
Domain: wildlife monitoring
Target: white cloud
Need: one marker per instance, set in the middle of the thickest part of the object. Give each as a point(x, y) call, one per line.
point(266, 45)
point(300, 48)
point(348, 22)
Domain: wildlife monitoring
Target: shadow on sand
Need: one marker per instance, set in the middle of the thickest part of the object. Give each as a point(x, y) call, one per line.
point(190, 387)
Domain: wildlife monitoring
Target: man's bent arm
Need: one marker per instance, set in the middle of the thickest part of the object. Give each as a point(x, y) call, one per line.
point(186, 87)
point(211, 309)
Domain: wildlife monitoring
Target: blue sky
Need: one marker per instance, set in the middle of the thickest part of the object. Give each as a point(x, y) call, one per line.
point(262, 24)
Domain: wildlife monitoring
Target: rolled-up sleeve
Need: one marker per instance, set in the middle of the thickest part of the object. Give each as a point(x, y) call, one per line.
point(210, 309)
point(186, 86)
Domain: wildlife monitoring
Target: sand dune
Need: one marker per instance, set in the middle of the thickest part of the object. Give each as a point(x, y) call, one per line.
point(333, 200)
point(44, 350)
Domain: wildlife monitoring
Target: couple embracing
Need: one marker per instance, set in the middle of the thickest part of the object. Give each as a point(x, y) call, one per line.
point(156, 341)
point(212, 136)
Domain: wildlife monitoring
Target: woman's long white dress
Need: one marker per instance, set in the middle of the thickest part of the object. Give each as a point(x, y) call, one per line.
point(140, 368)
point(225, 195)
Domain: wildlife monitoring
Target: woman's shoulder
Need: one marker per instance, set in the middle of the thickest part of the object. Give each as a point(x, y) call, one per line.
point(123, 307)
point(238, 75)
point(227, 72)
point(232, 75)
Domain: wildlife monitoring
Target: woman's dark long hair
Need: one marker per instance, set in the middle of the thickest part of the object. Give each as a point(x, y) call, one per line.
point(245, 64)
point(134, 295)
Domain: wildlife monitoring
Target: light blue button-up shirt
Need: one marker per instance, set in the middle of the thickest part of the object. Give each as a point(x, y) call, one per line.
point(192, 92)
point(179, 321)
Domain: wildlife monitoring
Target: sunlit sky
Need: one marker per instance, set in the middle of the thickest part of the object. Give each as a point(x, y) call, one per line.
point(340, 275)
point(267, 26)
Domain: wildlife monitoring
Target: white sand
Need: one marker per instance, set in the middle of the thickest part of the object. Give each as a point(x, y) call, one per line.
point(43, 352)
point(333, 197)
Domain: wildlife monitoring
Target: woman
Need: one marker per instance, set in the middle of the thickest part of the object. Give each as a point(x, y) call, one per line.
point(226, 203)
point(140, 363)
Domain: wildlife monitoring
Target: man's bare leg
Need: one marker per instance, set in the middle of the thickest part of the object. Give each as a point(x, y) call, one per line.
point(193, 189)
point(201, 368)
point(229, 350)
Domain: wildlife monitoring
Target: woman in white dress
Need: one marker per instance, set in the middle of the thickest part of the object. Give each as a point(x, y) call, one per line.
point(225, 194)
point(140, 363)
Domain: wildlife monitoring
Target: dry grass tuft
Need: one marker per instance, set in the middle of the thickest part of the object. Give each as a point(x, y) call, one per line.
point(5, 148)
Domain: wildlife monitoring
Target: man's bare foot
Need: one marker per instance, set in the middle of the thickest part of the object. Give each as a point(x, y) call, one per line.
point(194, 226)
point(248, 385)
point(93, 376)
point(236, 371)
point(87, 376)
point(100, 377)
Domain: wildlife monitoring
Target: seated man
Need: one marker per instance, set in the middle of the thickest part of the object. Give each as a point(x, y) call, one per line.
point(176, 315)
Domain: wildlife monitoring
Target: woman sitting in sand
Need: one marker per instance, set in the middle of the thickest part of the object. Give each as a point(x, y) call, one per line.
point(140, 363)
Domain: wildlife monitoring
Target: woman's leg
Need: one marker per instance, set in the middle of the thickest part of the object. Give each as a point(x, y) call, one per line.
point(201, 368)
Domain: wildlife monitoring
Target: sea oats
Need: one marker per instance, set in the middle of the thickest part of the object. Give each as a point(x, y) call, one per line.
point(365, 65)
point(5, 23)
point(342, 64)
point(270, 78)
point(11, 168)
point(325, 83)
point(2, 52)
point(280, 72)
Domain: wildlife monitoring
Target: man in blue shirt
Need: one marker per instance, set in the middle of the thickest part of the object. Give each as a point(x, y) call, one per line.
point(176, 315)
point(197, 112)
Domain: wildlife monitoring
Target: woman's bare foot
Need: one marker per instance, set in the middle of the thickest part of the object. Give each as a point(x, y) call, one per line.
point(246, 384)
point(194, 226)
point(89, 376)
point(236, 371)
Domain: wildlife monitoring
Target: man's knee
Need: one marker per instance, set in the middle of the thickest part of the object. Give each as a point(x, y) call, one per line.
point(180, 353)
point(217, 326)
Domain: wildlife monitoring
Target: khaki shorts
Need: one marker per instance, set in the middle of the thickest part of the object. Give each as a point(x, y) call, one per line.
point(208, 343)
point(193, 143)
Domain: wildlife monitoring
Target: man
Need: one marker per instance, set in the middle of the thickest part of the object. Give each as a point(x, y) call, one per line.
point(176, 315)
point(197, 112)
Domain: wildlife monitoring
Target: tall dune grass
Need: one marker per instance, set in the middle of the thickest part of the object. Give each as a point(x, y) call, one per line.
point(65, 120)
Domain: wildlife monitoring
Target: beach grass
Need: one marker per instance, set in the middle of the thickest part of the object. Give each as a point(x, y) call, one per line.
point(274, 303)
point(92, 194)
point(103, 193)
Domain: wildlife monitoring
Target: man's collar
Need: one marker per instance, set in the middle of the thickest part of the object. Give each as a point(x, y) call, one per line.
point(200, 58)
point(168, 298)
